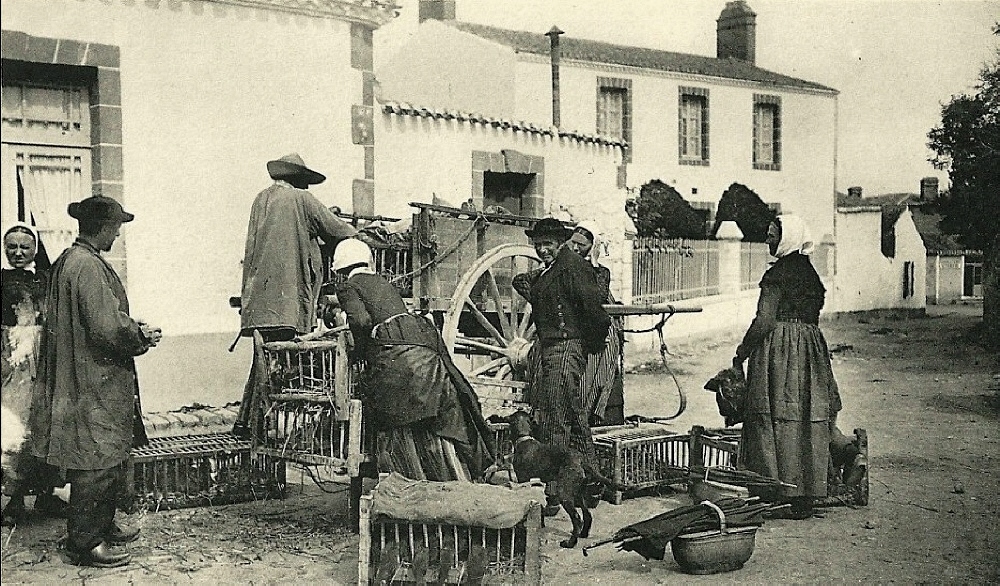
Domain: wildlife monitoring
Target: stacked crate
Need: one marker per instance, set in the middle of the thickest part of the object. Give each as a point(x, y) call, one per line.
point(306, 407)
point(207, 469)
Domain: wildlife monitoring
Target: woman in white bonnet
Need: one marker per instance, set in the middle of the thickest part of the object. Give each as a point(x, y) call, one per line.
point(792, 401)
point(24, 281)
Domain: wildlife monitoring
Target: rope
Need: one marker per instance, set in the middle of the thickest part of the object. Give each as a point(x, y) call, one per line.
point(480, 220)
point(664, 351)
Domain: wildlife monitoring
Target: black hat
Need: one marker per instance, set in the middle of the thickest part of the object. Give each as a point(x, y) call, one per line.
point(99, 207)
point(293, 166)
point(549, 227)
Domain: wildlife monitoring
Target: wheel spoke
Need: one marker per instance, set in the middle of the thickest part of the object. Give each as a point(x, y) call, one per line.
point(529, 332)
point(492, 364)
point(485, 322)
point(461, 340)
point(505, 324)
point(524, 323)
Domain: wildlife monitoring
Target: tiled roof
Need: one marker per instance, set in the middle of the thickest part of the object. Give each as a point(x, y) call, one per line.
point(376, 12)
point(910, 199)
point(405, 109)
point(601, 52)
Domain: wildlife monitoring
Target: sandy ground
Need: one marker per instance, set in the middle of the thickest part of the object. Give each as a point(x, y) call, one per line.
point(918, 388)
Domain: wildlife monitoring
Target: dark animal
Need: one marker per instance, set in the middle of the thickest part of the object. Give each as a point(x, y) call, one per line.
point(563, 470)
point(730, 388)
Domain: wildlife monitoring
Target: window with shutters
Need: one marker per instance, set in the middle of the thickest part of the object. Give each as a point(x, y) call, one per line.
point(767, 132)
point(614, 111)
point(692, 124)
point(46, 155)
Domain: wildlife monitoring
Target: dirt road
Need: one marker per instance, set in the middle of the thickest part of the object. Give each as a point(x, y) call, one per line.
point(919, 389)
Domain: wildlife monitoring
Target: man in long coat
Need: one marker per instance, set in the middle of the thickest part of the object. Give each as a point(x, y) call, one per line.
point(86, 404)
point(282, 264)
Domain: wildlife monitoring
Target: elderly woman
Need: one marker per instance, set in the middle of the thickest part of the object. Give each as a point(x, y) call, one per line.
point(23, 297)
point(602, 386)
point(426, 415)
point(792, 400)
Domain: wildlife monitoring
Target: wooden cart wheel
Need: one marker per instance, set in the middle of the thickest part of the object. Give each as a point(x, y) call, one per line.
point(497, 329)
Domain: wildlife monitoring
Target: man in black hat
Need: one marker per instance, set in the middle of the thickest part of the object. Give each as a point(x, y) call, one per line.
point(283, 264)
point(570, 323)
point(85, 415)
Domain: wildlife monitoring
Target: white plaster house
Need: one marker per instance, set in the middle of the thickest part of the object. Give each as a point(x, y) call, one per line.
point(174, 108)
point(881, 260)
point(698, 123)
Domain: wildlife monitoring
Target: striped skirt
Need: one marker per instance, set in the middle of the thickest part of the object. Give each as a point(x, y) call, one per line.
point(419, 454)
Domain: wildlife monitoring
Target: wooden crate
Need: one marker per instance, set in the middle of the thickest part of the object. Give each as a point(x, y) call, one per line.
point(514, 554)
point(196, 470)
point(640, 456)
point(721, 448)
point(307, 412)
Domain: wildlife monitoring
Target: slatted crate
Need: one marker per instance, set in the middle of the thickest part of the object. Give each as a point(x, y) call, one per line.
point(208, 469)
point(640, 456)
point(307, 411)
point(513, 555)
point(721, 448)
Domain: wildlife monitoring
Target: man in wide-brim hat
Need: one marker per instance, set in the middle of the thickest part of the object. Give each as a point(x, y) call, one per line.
point(293, 169)
point(283, 264)
point(570, 322)
point(85, 414)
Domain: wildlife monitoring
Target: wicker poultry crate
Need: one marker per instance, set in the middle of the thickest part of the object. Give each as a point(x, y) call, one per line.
point(513, 555)
point(721, 448)
point(307, 411)
point(640, 456)
point(197, 470)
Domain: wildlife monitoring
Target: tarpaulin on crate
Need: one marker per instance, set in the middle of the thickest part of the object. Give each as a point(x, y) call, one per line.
point(454, 503)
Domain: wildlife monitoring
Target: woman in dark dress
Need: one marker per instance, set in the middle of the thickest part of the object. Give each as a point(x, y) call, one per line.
point(792, 396)
point(23, 298)
point(427, 418)
point(603, 385)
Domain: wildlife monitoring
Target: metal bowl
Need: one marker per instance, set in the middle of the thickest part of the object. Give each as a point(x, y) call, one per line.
point(712, 552)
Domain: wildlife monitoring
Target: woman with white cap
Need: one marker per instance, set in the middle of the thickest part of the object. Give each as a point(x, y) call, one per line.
point(792, 399)
point(602, 385)
point(23, 298)
point(427, 418)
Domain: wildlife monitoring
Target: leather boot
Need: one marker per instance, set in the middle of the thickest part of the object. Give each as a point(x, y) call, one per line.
point(101, 556)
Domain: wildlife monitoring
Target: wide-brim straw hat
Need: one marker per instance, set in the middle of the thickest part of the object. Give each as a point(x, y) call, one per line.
point(549, 227)
point(292, 166)
point(99, 207)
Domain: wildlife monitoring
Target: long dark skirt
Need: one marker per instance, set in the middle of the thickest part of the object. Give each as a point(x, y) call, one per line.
point(791, 398)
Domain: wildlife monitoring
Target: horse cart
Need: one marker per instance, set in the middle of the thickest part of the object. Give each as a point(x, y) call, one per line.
point(456, 267)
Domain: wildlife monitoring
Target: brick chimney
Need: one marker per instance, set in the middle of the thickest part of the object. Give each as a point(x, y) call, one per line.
point(854, 193)
point(929, 188)
point(736, 33)
point(436, 9)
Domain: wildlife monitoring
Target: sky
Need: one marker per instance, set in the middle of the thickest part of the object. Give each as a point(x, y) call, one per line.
point(894, 62)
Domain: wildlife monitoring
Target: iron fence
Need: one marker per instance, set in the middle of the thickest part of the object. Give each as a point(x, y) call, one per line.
point(671, 270)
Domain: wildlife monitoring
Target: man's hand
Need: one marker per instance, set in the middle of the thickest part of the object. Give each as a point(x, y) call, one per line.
point(152, 334)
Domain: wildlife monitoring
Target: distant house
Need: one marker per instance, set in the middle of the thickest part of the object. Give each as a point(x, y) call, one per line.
point(174, 108)
point(698, 123)
point(881, 260)
point(953, 272)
